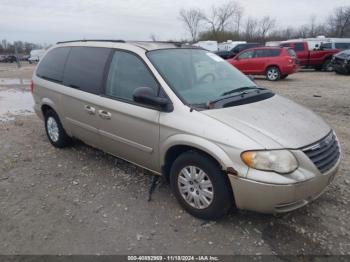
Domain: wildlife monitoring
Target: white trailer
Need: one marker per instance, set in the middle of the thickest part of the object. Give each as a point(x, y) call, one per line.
point(208, 45)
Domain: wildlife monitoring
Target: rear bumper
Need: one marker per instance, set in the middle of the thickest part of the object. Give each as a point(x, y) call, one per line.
point(37, 110)
point(289, 69)
point(272, 198)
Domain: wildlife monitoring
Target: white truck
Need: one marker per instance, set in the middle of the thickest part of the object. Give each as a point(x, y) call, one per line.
point(208, 45)
point(36, 55)
point(229, 45)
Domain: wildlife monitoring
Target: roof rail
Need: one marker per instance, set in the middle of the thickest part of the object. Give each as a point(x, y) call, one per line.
point(91, 40)
point(176, 43)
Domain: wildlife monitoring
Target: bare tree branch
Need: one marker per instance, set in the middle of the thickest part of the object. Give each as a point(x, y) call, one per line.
point(266, 24)
point(192, 19)
point(222, 16)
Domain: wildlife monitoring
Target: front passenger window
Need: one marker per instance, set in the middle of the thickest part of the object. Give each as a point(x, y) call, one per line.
point(246, 55)
point(126, 73)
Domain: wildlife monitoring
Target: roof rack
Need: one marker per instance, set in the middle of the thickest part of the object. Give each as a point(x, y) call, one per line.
point(91, 40)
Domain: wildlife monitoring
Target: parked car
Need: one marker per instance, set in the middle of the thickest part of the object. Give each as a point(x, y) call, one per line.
point(237, 49)
point(318, 59)
point(10, 59)
point(2, 58)
point(273, 62)
point(341, 62)
point(185, 113)
point(25, 57)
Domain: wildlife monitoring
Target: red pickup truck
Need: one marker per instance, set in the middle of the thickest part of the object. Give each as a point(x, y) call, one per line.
point(318, 59)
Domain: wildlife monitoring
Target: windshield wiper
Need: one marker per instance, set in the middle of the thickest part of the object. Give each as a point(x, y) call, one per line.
point(241, 89)
point(241, 93)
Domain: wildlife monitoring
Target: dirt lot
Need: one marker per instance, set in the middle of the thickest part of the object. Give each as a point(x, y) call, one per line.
point(82, 201)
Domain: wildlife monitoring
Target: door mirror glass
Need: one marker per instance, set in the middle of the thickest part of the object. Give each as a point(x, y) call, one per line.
point(147, 96)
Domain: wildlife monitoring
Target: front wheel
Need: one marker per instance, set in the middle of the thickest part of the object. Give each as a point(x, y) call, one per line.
point(273, 73)
point(200, 186)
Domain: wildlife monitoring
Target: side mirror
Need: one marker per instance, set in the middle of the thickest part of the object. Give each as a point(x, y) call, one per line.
point(147, 96)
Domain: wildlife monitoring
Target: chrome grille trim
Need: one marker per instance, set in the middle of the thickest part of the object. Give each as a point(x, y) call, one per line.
point(324, 153)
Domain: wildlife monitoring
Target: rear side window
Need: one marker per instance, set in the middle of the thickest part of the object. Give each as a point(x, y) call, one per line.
point(52, 65)
point(85, 68)
point(267, 52)
point(342, 45)
point(291, 52)
point(299, 47)
point(126, 73)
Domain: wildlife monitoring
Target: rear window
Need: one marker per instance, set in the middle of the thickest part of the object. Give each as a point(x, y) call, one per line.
point(299, 47)
point(285, 45)
point(326, 45)
point(85, 68)
point(52, 65)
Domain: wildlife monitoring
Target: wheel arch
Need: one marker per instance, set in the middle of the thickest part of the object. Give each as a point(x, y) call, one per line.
point(272, 65)
point(178, 144)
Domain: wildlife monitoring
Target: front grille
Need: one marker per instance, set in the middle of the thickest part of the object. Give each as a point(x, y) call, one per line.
point(338, 61)
point(324, 153)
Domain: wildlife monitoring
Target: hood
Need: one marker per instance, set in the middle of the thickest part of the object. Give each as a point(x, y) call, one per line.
point(274, 123)
point(343, 55)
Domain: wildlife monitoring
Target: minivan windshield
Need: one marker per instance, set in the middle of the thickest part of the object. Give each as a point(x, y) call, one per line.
point(199, 77)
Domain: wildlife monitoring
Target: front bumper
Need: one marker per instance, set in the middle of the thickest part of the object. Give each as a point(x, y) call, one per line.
point(274, 198)
point(341, 68)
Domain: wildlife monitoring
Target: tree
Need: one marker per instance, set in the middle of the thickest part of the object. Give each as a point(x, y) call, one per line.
point(153, 37)
point(339, 22)
point(192, 19)
point(221, 17)
point(266, 24)
point(251, 28)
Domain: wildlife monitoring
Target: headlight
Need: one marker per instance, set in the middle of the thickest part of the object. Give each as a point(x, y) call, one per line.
point(280, 161)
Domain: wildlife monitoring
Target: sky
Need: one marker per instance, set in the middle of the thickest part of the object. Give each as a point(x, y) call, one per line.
point(49, 21)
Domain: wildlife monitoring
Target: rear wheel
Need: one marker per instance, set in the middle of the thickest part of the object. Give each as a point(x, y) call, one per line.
point(273, 73)
point(200, 186)
point(327, 66)
point(54, 130)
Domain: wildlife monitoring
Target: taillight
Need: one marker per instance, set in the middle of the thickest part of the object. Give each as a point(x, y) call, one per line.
point(32, 86)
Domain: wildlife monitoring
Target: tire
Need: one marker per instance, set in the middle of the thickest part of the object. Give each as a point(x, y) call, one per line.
point(327, 66)
point(54, 130)
point(273, 73)
point(210, 203)
point(284, 76)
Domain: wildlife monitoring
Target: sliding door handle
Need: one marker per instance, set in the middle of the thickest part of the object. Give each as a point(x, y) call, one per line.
point(91, 110)
point(104, 114)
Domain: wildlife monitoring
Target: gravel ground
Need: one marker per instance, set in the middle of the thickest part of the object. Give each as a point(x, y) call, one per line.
point(81, 201)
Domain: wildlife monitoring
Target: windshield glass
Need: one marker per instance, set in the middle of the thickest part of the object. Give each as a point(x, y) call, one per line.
point(199, 76)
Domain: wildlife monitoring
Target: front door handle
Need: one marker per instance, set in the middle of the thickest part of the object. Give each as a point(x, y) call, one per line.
point(104, 114)
point(91, 110)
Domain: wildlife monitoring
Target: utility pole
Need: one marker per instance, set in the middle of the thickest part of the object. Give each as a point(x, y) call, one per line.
point(16, 55)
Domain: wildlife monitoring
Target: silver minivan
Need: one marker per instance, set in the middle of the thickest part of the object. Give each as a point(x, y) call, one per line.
point(179, 111)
